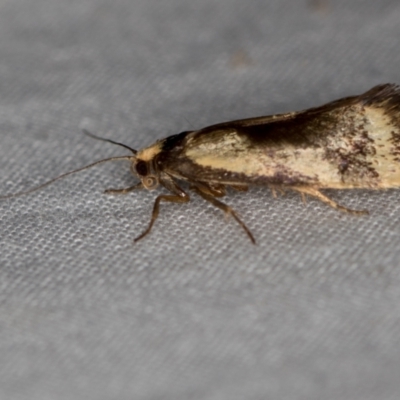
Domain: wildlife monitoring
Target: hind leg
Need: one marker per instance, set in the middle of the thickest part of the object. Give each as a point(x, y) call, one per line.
point(303, 190)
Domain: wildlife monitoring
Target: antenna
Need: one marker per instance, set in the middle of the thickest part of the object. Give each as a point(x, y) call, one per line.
point(9, 196)
point(86, 132)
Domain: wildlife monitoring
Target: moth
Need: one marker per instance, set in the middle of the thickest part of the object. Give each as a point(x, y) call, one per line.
point(349, 143)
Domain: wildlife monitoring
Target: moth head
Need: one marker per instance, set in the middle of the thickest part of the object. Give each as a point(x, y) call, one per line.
point(142, 162)
point(144, 171)
point(146, 167)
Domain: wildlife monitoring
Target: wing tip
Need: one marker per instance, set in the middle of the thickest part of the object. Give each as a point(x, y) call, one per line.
point(381, 93)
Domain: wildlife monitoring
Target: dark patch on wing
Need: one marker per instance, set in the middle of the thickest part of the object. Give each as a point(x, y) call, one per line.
point(303, 131)
point(308, 128)
point(174, 141)
point(386, 96)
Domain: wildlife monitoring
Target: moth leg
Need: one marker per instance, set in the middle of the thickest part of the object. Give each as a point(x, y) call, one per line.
point(171, 198)
point(222, 206)
point(303, 198)
point(214, 191)
point(274, 189)
point(317, 194)
point(125, 190)
point(240, 188)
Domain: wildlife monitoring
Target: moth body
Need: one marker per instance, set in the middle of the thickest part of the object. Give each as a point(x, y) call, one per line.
point(349, 143)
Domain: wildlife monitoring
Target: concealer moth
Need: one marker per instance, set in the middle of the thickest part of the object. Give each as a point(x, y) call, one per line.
point(350, 143)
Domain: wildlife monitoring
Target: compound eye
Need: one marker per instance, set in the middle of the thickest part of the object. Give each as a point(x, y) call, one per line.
point(141, 168)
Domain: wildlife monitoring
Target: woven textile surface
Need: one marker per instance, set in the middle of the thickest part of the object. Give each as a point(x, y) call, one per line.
point(194, 310)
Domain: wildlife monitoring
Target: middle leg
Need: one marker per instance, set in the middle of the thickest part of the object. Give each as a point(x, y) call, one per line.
point(224, 207)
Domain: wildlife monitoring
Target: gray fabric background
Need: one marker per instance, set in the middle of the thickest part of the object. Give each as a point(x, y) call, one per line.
point(194, 311)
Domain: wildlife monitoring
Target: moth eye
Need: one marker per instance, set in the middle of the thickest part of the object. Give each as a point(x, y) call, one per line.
point(141, 168)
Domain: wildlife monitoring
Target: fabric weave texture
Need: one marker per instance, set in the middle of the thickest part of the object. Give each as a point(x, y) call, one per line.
point(194, 310)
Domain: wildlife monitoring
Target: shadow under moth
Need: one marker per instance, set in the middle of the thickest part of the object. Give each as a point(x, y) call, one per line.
point(349, 143)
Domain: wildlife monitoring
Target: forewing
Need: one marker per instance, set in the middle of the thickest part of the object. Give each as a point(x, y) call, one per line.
point(328, 146)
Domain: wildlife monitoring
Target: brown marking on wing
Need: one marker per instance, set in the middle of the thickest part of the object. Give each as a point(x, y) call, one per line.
point(352, 148)
point(395, 150)
point(387, 99)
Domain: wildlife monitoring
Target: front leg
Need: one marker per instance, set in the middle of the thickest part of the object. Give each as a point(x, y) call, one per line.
point(178, 198)
point(125, 190)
